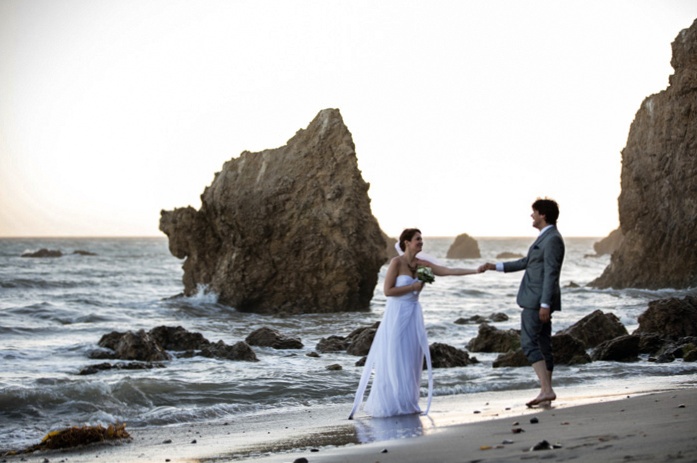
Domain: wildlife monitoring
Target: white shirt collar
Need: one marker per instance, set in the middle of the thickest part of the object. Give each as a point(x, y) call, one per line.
point(545, 229)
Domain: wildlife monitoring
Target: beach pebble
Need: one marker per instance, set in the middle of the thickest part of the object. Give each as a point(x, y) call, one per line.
point(193, 441)
point(485, 447)
point(168, 441)
point(681, 406)
point(384, 451)
point(507, 442)
point(544, 445)
point(300, 460)
point(534, 420)
point(517, 430)
point(476, 412)
point(314, 450)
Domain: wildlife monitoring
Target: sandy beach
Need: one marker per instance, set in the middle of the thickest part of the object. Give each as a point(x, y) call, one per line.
point(635, 425)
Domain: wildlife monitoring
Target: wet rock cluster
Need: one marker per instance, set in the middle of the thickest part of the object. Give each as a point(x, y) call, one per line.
point(150, 349)
point(50, 253)
point(667, 331)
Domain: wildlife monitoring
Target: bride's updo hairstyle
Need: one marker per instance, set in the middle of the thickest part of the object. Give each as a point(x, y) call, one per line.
point(407, 235)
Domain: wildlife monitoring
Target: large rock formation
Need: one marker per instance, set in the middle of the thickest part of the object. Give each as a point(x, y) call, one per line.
point(658, 203)
point(464, 247)
point(284, 230)
point(609, 244)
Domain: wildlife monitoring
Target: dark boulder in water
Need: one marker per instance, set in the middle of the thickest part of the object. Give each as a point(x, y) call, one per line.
point(658, 200)
point(595, 328)
point(134, 346)
point(287, 230)
point(621, 349)
point(445, 356)
point(568, 350)
point(464, 247)
point(609, 244)
point(670, 318)
point(491, 339)
point(267, 337)
point(151, 346)
point(43, 252)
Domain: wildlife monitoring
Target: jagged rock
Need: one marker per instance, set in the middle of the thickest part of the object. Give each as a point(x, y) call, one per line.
point(239, 351)
point(360, 340)
point(609, 244)
point(96, 368)
point(473, 320)
point(332, 344)
point(151, 346)
point(445, 356)
point(690, 352)
point(568, 350)
point(596, 328)
point(43, 252)
point(176, 338)
point(80, 252)
point(659, 176)
point(464, 247)
point(478, 319)
point(650, 343)
point(491, 339)
point(671, 318)
point(621, 349)
point(266, 337)
point(514, 358)
point(284, 230)
point(391, 250)
point(509, 255)
point(498, 317)
point(134, 346)
point(679, 348)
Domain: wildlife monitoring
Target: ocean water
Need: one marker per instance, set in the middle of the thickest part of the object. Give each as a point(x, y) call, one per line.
point(53, 311)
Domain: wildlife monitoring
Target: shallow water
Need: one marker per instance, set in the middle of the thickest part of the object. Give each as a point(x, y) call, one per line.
point(55, 310)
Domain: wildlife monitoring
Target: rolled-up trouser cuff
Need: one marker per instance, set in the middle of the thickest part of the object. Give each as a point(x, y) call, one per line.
point(536, 338)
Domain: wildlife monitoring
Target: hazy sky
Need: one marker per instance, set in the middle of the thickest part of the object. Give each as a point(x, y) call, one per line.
point(462, 112)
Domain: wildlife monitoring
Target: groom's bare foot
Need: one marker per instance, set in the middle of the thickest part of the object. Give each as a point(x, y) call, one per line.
point(542, 399)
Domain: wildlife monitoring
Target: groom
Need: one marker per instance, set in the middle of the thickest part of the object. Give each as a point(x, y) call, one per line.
point(539, 294)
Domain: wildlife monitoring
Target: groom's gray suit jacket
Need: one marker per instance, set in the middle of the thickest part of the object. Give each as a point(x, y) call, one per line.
point(542, 265)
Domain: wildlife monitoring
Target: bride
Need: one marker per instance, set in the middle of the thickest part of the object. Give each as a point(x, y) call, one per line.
point(400, 343)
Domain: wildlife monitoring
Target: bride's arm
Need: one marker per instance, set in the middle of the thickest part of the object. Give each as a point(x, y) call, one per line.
point(442, 271)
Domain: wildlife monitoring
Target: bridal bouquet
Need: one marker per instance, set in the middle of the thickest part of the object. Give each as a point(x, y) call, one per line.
point(425, 274)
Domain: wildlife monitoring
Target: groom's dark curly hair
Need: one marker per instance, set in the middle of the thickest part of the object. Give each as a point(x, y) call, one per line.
point(549, 208)
point(407, 235)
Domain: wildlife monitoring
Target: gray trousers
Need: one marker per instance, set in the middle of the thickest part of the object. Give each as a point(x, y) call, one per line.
point(536, 338)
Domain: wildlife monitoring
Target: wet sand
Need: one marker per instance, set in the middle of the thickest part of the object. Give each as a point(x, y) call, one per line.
point(582, 425)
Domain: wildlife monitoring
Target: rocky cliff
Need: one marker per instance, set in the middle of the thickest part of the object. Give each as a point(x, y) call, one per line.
point(658, 203)
point(284, 230)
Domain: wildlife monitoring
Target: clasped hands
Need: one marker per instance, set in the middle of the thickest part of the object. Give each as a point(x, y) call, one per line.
point(485, 267)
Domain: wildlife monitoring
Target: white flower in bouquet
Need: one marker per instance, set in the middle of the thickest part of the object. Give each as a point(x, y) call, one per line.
point(425, 274)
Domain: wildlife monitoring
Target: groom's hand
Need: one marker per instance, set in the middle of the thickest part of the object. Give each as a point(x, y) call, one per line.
point(545, 314)
point(485, 267)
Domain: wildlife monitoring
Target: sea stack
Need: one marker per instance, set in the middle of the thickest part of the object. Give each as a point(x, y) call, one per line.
point(285, 230)
point(658, 203)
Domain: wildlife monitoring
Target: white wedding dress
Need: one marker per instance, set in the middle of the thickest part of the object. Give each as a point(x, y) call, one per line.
point(397, 356)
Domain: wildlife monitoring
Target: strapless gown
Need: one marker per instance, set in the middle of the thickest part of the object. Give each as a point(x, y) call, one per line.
point(397, 357)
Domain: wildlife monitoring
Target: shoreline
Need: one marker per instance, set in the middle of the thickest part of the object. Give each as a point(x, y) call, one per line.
point(627, 422)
